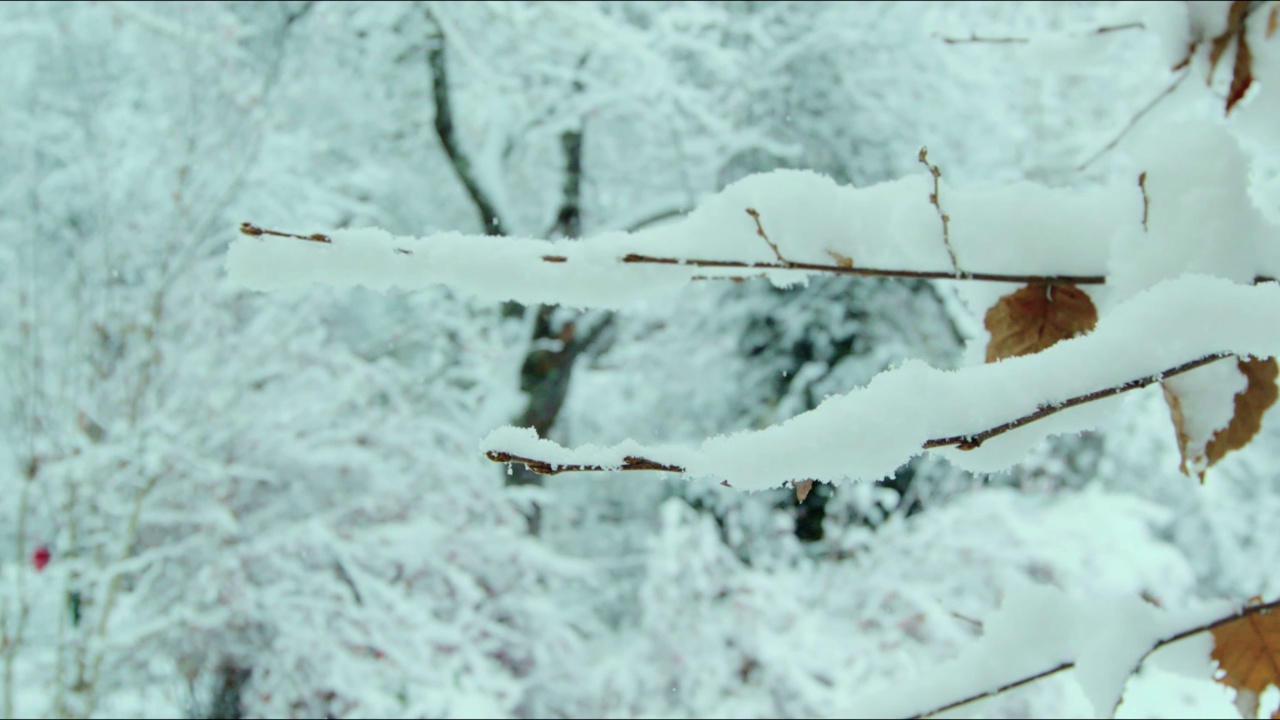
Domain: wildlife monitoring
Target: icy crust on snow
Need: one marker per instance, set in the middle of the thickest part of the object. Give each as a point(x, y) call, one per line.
point(1019, 228)
point(869, 432)
point(1038, 628)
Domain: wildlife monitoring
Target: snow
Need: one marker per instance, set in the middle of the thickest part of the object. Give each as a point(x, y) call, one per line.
point(323, 515)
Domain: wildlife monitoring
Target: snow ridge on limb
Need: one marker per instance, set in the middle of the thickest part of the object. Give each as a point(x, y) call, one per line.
point(869, 432)
point(1104, 640)
point(1023, 232)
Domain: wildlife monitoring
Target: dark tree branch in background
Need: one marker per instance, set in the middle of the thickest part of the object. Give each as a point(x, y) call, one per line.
point(962, 442)
point(546, 371)
point(437, 63)
point(1183, 635)
point(973, 37)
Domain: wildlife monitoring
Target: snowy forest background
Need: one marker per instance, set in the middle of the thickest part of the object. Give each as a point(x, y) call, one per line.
point(273, 505)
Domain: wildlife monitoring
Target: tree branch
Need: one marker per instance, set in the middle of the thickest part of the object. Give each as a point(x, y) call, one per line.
point(974, 38)
point(252, 230)
point(936, 201)
point(862, 271)
point(462, 167)
point(1133, 121)
point(1243, 612)
point(961, 442)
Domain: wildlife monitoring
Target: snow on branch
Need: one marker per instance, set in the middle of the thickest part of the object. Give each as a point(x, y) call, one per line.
point(1104, 641)
point(983, 418)
point(1022, 232)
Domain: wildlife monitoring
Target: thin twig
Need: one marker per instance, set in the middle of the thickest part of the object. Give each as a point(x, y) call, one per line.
point(760, 231)
point(1133, 121)
point(1243, 612)
point(974, 38)
point(934, 198)
point(873, 272)
point(1146, 201)
point(963, 442)
point(997, 691)
point(254, 231)
point(542, 467)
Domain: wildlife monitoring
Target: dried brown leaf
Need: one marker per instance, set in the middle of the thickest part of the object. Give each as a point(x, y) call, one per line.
point(1035, 317)
point(1235, 24)
point(1248, 653)
point(1241, 73)
point(1273, 20)
point(1251, 405)
point(841, 259)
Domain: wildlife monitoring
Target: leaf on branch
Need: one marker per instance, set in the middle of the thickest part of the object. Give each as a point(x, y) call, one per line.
point(1248, 653)
point(841, 259)
point(1250, 405)
point(1035, 317)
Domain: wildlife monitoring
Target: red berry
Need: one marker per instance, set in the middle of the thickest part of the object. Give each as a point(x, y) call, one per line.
point(41, 557)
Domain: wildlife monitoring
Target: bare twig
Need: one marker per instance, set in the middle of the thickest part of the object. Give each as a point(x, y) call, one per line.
point(961, 442)
point(542, 467)
point(254, 231)
point(1245, 611)
point(1117, 28)
point(873, 272)
point(1146, 201)
point(760, 231)
point(1133, 121)
point(974, 38)
point(937, 203)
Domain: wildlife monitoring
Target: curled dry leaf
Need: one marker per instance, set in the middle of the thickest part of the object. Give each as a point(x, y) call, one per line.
point(1246, 419)
point(1247, 651)
point(1273, 20)
point(1035, 317)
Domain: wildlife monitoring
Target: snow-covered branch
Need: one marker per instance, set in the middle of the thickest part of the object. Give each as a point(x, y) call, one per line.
point(1023, 233)
point(1122, 634)
point(962, 442)
point(871, 431)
